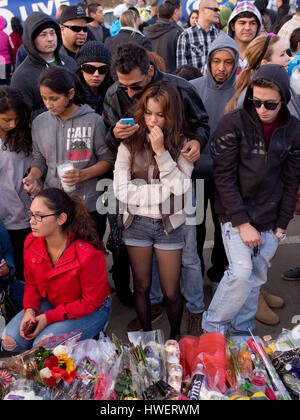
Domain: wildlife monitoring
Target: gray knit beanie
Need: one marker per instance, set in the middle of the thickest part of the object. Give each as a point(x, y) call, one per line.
point(93, 52)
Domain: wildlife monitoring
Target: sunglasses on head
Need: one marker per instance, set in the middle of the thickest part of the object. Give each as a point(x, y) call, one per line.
point(76, 28)
point(214, 9)
point(89, 69)
point(270, 106)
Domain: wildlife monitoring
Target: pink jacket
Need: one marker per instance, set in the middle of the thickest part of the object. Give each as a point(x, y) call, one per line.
point(4, 44)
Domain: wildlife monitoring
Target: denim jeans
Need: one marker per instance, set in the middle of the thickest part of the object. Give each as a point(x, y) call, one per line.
point(235, 302)
point(90, 326)
point(192, 280)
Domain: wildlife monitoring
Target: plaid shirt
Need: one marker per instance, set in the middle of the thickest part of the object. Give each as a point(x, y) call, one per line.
point(193, 45)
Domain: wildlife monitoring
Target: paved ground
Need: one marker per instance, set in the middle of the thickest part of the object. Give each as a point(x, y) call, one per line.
point(286, 257)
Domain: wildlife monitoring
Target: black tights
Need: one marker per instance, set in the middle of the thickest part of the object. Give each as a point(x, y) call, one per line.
point(169, 266)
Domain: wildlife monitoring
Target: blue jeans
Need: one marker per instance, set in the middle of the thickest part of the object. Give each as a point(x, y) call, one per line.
point(192, 280)
point(90, 326)
point(235, 302)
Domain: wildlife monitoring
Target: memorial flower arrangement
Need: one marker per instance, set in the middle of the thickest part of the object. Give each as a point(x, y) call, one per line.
point(54, 365)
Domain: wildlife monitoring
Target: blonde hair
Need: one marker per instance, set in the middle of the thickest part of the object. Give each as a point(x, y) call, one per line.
point(128, 18)
point(253, 53)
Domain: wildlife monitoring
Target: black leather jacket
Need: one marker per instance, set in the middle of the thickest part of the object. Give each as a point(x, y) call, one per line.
point(117, 105)
point(254, 184)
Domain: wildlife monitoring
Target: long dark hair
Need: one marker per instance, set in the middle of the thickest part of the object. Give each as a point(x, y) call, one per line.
point(61, 80)
point(16, 25)
point(175, 129)
point(19, 139)
point(79, 224)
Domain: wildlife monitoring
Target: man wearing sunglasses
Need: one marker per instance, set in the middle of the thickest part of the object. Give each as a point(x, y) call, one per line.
point(256, 153)
point(193, 44)
point(74, 29)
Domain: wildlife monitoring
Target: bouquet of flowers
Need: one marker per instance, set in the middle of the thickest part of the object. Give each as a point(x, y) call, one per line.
point(54, 365)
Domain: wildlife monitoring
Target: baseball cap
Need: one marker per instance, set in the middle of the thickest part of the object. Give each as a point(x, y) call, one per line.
point(73, 12)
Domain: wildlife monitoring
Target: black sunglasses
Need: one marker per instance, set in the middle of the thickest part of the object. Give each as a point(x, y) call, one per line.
point(76, 28)
point(270, 106)
point(214, 9)
point(89, 69)
point(135, 88)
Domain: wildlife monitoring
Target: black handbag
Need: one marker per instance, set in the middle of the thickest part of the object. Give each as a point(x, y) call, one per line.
point(7, 308)
point(115, 242)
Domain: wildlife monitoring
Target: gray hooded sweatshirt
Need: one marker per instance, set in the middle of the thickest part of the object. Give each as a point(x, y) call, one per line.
point(80, 139)
point(215, 97)
point(26, 76)
point(15, 201)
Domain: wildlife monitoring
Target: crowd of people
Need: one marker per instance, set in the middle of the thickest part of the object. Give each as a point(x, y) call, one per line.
point(155, 109)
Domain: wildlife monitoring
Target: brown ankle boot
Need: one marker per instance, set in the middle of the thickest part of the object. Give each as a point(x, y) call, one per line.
point(264, 314)
point(272, 300)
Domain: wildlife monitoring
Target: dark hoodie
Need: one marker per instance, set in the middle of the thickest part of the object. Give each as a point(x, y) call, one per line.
point(255, 185)
point(27, 74)
point(163, 36)
point(214, 97)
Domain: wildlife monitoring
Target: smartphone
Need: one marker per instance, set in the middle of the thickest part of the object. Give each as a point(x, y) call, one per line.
point(128, 121)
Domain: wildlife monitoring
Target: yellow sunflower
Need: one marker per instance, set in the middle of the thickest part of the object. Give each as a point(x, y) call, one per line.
point(66, 362)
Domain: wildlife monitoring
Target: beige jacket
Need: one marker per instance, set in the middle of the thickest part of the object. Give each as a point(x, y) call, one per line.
point(143, 198)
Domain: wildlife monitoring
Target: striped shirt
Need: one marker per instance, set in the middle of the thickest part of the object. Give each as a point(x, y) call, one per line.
point(193, 44)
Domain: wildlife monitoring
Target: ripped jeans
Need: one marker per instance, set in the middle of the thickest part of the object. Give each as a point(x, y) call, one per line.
point(235, 302)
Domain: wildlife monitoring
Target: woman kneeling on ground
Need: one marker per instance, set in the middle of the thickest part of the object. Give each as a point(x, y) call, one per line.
point(66, 285)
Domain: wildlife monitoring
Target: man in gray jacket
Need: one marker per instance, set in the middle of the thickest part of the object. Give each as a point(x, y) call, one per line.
point(42, 41)
point(215, 89)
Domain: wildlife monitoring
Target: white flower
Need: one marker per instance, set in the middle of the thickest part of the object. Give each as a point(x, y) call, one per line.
point(45, 373)
point(59, 350)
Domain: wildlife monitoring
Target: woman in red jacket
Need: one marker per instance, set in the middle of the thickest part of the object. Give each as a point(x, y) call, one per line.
point(65, 272)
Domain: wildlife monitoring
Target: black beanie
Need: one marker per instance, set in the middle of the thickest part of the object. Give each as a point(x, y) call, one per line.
point(43, 26)
point(93, 52)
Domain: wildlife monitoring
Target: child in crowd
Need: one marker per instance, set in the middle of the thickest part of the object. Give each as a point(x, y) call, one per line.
point(153, 155)
point(15, 162)
point(66, 283)
point(72, 131)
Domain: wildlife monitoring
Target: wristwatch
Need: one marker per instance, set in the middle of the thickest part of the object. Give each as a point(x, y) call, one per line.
point(279, 235)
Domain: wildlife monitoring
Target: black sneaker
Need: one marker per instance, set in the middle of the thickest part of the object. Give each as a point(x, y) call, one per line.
point(291, 275)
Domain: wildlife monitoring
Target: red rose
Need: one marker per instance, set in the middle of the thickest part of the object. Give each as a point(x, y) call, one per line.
point(57, 372)
point(69, 377)
point(50, 381)
point(51, 362)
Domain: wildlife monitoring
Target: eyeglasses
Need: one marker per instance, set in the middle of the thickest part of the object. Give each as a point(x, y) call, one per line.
point(40, 217)
point(270, 106)
point(89, 69)
point(214, 9)
point(134, 87)
point(76, 28)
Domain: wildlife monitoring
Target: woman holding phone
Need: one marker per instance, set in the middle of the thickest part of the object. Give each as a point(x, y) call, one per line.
point(151, 177)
